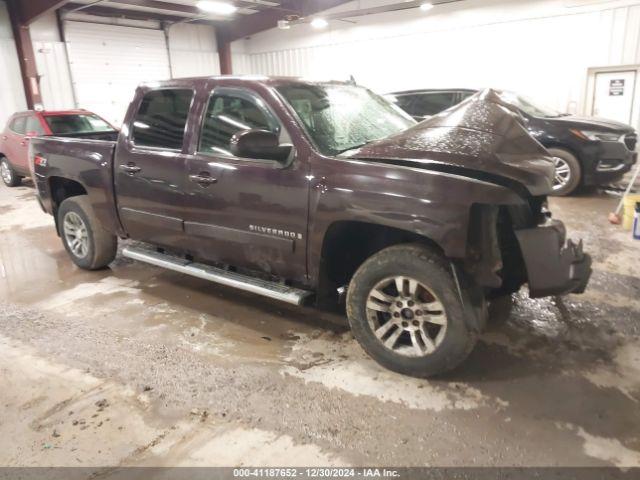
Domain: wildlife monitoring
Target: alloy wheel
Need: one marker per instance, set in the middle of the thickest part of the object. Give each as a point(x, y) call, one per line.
point(5, 171)
point(76, 234)
point(406, 316)
point(562, 174)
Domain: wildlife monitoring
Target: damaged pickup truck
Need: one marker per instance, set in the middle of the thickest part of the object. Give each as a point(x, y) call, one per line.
point(322, 193)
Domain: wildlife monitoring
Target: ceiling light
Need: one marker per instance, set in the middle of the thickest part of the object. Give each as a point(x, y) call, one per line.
point(319, 23)
point(425, 7)
point(221, 8)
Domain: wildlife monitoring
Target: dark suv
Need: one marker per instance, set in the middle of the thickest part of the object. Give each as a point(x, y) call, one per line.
point(587, 151)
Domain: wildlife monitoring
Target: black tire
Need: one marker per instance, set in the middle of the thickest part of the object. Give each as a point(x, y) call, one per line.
point(500, 309)
point(432, 271)
point(9, 176)
point(575, 172)
point(101, 246)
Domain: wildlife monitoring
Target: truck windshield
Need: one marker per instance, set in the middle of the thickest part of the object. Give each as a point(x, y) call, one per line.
point(529, 106)
point(342, 117)
point(77, 124)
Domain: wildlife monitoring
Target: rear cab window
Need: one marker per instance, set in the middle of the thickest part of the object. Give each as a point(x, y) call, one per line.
point(162, 118)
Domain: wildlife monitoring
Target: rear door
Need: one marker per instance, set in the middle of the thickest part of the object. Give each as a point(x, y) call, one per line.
point(150, 166)
point(252, 212)
point(33, 128)
point(12, 138)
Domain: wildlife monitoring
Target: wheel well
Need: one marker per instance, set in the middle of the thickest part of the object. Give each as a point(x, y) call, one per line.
point(63, 188)
point(347, 245)
point(559, 146)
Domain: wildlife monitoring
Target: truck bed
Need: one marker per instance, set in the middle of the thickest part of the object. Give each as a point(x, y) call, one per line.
point(86, 161)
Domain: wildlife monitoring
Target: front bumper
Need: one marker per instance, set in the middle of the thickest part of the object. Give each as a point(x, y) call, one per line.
point(607, 162)
point(554, 267)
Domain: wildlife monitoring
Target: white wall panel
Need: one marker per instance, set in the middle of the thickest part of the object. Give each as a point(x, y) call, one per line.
point(12, 97)
point(108, 62)
point(542, 48)
point(193, 51)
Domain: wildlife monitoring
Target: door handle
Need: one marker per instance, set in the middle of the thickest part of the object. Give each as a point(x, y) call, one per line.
point(130, 168)
point(203, 179)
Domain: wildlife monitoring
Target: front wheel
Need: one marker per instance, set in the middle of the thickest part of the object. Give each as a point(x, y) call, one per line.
point(406, 311)
point(568, 173)
point(87, 243)
point(8, 174)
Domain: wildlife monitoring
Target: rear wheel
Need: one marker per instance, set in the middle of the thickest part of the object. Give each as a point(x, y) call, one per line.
point(8, 174)
point(405, 310)
point(568, 172)
point(87, 243)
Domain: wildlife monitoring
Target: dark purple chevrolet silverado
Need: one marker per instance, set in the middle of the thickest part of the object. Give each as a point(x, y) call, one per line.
point(323, 193)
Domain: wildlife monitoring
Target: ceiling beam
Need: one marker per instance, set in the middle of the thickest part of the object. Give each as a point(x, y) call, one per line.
point(30, 11)
point(361, 12)
point(101, 11)
point(248, 25)
point(186, 9)
point(160, 5)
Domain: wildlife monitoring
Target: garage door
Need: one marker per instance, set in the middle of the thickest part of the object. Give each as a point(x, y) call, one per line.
point(108, 62)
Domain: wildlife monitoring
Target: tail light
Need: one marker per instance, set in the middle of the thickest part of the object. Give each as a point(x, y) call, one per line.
point(36, 160)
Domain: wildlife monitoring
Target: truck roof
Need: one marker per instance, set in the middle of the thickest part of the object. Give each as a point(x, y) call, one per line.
point(241, 79)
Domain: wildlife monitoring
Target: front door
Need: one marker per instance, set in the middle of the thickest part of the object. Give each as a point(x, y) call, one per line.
point(246, 212)
point(614, 95)
point(150, 167)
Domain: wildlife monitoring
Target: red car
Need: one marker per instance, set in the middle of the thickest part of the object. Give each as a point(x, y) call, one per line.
point(22, 126)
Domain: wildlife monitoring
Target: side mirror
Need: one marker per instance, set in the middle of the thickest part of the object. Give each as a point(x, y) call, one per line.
point(259, 144)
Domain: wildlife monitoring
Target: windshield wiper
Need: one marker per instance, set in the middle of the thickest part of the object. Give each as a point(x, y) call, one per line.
point(353, 147)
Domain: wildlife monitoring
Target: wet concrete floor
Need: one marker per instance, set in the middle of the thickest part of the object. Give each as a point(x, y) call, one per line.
point(134, 365)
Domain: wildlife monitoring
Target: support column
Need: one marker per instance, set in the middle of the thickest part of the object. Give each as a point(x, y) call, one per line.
point(224, 54)
point(26, 57)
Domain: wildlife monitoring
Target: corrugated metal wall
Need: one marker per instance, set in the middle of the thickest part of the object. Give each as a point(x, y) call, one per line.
point(542, 48)
point(11, 88)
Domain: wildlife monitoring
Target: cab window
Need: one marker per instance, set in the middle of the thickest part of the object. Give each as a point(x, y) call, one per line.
point(162, 118)
point(230, 113)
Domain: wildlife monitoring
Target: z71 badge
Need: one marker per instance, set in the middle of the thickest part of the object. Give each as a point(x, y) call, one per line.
point(276, 232)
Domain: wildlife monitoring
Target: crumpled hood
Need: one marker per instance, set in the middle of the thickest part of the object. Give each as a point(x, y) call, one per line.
point(482, 137)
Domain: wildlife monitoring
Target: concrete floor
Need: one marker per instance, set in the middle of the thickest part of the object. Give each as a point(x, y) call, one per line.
point(138, 366)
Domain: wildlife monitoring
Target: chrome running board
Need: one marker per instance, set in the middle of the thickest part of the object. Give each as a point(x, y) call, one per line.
point(265, 288)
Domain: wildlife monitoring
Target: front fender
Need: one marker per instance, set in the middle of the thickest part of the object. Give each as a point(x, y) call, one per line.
point(435, 205)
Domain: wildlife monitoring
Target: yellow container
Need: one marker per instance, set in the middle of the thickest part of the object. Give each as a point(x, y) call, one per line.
point(629, 209)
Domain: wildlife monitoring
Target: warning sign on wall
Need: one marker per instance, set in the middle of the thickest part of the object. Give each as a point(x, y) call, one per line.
point(616, 87)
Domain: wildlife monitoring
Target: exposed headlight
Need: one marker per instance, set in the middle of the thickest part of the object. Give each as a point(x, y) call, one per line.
point(595, 136)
